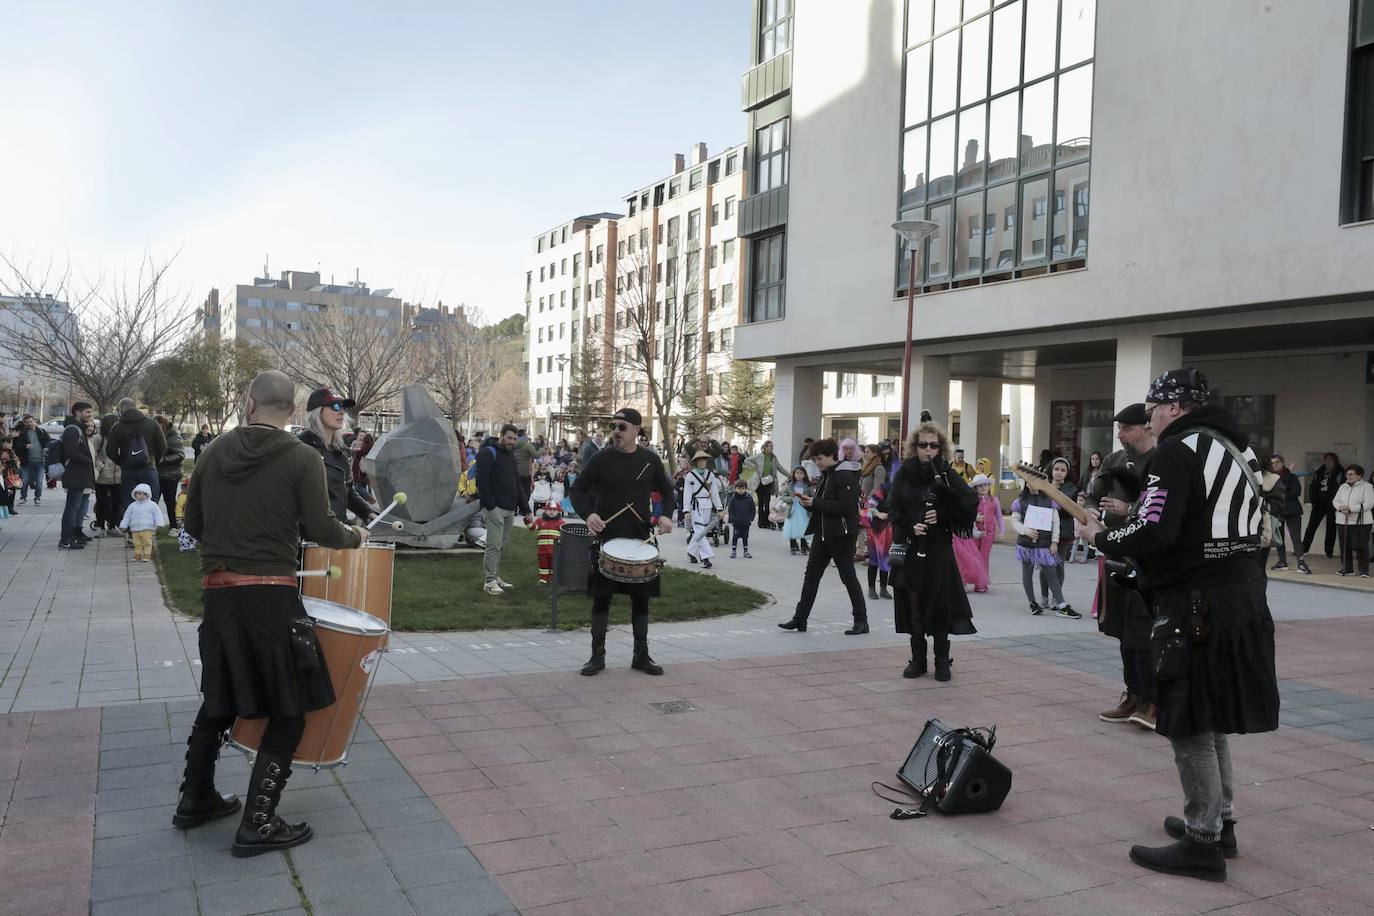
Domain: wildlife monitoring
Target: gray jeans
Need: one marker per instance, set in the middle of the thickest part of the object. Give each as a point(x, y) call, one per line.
point(498, 523)
point(1204, 769)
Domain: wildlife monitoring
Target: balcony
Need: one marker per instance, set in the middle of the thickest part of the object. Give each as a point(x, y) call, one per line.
point(767, 81)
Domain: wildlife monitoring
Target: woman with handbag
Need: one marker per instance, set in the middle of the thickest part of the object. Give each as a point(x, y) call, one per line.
point(929, 506)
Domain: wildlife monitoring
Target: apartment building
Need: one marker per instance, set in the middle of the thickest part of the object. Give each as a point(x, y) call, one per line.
point(266, 311)
point(23, 386)
point(1205, 241)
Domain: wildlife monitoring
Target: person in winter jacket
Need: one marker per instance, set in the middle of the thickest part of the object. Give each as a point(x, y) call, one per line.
point(1326, 479)
point(324, 422)
point(878, 540)
point(741, 513)
point(767, 479)
point(498, 487)
point(1059, 475)
point(1291, 488)
point(1353, 507)
point(78, 476)
point(136, 444)
point(141, 520)
point(169, 467)
point(31, 447)
point(106, 480)
point(872, 473)
point(834, 523)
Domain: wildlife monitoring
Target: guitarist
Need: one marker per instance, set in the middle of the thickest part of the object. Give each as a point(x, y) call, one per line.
point(1121, 611)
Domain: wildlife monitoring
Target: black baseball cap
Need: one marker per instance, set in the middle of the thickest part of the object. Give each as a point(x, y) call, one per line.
point(1131, 415)
point(322, 397)
point(629, 415)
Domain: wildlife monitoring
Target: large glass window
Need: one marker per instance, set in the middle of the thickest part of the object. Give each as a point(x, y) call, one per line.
point(775, 29)
point(767, 260)
point(770, 151)
point(996, 134)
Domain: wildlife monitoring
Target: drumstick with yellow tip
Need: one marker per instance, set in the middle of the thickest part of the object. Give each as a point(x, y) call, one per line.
point(332, 572)
point(398, 500)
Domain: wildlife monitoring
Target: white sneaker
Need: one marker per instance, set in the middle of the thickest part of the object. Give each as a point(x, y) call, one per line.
point(503, 583)
point(492, 588)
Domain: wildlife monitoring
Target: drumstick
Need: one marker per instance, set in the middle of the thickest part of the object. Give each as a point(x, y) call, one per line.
point(398, 500)
point(332, 572)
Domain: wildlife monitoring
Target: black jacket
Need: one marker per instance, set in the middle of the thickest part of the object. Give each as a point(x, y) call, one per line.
point(742, 509)
point(1292, 494)
point(76, 455)
point(134, 423)
point(835, 507)
point(497, 486)
point(613, 480)
point(169, 465)
point(200, 441)
point(1324, 485)
point(338, 472)
point(21, 443)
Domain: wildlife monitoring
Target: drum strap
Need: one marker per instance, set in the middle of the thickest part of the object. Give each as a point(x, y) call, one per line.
point(226, 579)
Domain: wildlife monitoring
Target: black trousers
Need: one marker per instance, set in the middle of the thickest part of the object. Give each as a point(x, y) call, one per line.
point(765, 496)
point(168, 485)
point(601, 618)
point(106, 499)
point(280, 738)
point(823, 552)
point(1138, 673)
point(1321, 512)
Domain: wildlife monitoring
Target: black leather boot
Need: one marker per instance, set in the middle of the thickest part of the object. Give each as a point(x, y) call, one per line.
point(597, 663)
point(261, 830)
point(859, 628)
point(200, 802)
point(942, 658)
point(917, 666)
point(1187, 857)
point(1178, 829)
point(642, 661)
point(796, 623)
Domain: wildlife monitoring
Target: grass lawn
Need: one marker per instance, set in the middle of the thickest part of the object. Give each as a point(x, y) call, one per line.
point(444, 592)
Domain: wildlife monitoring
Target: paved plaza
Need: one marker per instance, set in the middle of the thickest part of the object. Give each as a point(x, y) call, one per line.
point(491, 778)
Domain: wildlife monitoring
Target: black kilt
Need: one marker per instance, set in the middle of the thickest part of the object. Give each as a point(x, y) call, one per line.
point(1229, 684)
point(248, 669)
point(598, 586)
point(1123, 614)
point(938, 588)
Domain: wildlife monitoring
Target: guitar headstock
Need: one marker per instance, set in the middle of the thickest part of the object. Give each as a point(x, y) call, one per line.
point(1037, 480)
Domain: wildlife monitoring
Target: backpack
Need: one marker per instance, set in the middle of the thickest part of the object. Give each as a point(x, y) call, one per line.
point(134, 456)
point(467, 484)
point(54, 459)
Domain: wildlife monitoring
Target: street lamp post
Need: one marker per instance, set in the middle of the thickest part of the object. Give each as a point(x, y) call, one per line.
point(913, 232)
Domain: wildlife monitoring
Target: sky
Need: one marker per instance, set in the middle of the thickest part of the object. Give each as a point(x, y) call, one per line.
point(422, 144)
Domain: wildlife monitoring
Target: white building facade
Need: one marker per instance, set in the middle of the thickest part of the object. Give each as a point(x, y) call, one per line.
point(1228, 228)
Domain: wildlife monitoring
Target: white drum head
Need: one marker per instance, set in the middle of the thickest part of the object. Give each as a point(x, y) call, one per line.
point(629, 549)
point(334, 616)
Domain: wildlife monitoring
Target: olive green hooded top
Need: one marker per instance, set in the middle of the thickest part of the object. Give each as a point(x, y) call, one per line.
point(253, 491)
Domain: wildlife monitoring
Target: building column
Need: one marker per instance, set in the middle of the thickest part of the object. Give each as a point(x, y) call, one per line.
point(980, 420)
point(1140, 358)
point(796, 408)
point(929, 386)
point(1016, 447)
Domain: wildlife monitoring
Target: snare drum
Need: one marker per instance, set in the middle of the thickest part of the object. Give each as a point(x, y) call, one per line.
point(366, 581)
point(351, 643)
point(629, 560)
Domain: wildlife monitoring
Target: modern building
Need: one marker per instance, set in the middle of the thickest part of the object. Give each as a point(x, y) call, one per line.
point(23, 386)
point(1230, 149)
point(671, 256)
point(269, 309)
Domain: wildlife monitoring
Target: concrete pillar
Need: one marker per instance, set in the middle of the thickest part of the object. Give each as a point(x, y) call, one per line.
point(980, 420)
point(1016, 428)
point(797, 394)
point(1140, 358)
point(929, 386)
point(1040, 428)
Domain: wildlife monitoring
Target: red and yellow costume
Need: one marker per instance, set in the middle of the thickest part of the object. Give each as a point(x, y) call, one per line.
point(547, 529)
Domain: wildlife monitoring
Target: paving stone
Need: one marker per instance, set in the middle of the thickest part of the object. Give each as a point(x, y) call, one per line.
point(263, 894)
point(388, 903)
point(474, 897)
point(177, 902)
point(348, 882)
point(137, 878)
point(328, 851)
point(417, 838)
point(139, 820)
point(401, 812)
point(170, 844)
point(215, 866)
point(427, 868)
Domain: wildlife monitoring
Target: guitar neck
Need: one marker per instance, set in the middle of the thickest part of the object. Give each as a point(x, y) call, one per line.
point(1068, 505)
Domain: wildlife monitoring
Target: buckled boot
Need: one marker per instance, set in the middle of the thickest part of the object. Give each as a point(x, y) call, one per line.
point(642, 661)
point(597, 663)
point(917, 666)
point(261, 830)
point(942, 662)
point(200, 802)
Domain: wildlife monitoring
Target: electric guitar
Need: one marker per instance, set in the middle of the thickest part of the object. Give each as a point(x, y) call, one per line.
point(1039, 482)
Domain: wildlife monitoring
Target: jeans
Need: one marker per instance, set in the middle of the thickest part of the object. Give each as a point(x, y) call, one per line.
point(1294, 525)
point(32, 475)
point(131, 479)
point(841, 551)
point(73, 514)
point(1204, 769)
point(498, 523)
point(1048, 578)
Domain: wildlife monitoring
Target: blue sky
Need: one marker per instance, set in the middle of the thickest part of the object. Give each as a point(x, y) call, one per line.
point(422, 143)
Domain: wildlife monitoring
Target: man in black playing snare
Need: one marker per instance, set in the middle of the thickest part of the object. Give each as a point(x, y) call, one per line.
point(251, 495)
point(613, 494)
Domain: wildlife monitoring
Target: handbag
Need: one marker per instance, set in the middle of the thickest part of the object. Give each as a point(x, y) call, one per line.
point(305, 645)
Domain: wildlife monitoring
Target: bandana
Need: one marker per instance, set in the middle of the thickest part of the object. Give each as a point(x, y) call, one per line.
point(1179, 385)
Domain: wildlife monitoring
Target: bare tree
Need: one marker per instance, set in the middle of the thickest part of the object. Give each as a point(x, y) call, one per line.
point(99, 337)
point(505, 398)
point(457, 356)
point(360, 355)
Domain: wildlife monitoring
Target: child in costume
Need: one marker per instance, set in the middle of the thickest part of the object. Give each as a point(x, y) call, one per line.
point(548, 527)
point(794, 529)
point(975, 554)
point(878, 535)
point(141, 519)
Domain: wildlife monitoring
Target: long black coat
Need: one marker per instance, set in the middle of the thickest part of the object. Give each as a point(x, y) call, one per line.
point(76, 455)
point(933, 580)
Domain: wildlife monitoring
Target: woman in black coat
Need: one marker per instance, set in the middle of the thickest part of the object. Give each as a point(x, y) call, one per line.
point(929, 506)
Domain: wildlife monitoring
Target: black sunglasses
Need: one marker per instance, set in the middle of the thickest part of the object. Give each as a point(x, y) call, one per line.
point(935, 444)
point(620, 426)
point(336, 407)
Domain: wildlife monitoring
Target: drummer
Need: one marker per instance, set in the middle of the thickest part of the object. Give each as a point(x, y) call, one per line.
point(324, 423)
point(250, 496)
point(620, 476)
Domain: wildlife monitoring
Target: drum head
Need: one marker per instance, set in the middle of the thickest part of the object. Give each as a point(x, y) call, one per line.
point(334, 616)
point(378, 545)
point(629, 549)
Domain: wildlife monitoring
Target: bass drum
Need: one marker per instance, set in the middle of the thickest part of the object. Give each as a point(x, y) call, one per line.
point(366, 581)
point(351, 643)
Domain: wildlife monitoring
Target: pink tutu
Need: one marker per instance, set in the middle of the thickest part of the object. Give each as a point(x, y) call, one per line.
point(972, 567)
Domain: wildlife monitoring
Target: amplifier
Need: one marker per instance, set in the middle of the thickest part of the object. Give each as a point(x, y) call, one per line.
point(956, 769)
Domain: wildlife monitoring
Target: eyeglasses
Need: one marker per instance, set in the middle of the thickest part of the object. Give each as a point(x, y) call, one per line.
point(336, 407)
point(622, 427)
point(935, 444)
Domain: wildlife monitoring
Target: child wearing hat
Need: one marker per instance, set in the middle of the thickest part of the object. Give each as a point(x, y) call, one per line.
point(141, 520)
point(548, 528)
